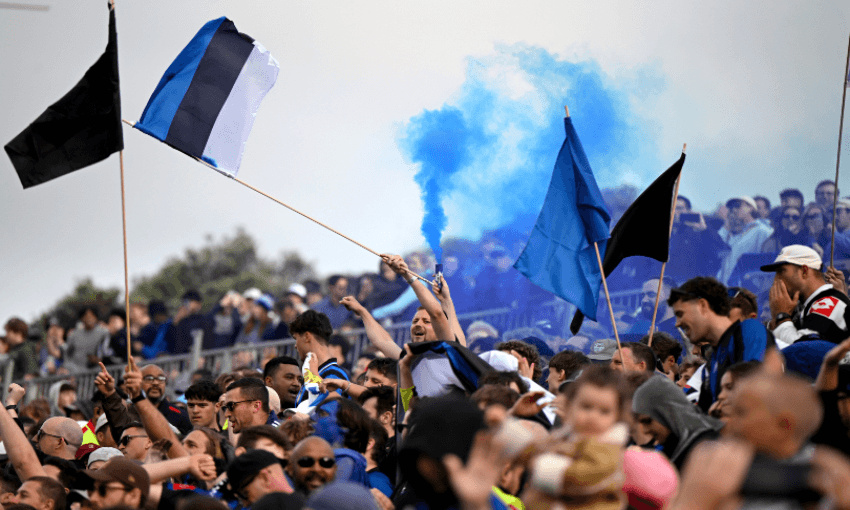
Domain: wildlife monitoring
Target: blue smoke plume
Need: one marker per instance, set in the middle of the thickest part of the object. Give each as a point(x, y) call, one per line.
point(486, 158)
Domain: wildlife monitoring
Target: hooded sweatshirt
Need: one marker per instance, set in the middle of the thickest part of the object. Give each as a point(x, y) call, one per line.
point(665, 403)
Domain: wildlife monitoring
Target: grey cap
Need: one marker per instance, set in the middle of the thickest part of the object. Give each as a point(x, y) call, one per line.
point(104, 454)
point(602, 350)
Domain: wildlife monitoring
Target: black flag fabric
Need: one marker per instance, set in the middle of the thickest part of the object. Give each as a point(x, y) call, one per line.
point(644, 229)
point(80, 129)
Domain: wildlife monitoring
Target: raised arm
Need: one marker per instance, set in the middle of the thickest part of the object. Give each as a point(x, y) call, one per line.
point(200, 465)
point(379, 336)
point(827, 379)
point(18, 448)
point(444, 295)
point(155, 423)
point(113, 406)
point(438, 319)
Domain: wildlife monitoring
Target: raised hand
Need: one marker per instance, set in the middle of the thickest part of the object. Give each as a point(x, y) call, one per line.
point(104, 382)
point(352, 305)
point(16, 393)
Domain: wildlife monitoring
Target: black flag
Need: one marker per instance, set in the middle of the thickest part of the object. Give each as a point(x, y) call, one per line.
point(80, 129)
point(644, 228)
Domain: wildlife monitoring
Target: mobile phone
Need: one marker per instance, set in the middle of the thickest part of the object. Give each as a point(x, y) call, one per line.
point(690, 217)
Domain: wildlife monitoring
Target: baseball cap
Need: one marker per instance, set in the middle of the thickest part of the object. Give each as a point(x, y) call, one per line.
point(602, 350)
point(121, 470)
point(85, 449)
point(246, 466)
point(104, 453)
point(252, 293)
point(797, 255)
point(266, 301)
point(101, 421)
point(651, 481)
point(743, 198)
point(297, 289)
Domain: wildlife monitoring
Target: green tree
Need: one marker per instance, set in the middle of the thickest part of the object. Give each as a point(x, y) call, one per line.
point(85, 293)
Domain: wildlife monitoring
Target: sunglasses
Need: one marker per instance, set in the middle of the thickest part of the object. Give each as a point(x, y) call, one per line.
point(794, 217)
point(41, 433)
point(813, 216)
point(151, 378)
point(308, 462)
point(230, 406)
point(103, 489)
point(126, 440)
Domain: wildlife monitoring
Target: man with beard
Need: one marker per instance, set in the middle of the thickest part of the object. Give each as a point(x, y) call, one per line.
point(311, 464)
point(664, 319)
point(153, 388)
point(283, 374)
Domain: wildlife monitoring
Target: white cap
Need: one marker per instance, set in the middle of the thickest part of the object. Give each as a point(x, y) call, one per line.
point(101, 421)
point(298, 289)
point(253, 293)
point(798, 255)
point(743, 198)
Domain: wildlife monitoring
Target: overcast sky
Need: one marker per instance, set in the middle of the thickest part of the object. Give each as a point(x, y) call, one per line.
point(754, 88)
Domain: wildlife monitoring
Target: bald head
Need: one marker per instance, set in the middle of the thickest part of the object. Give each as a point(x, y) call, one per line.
point(60, 427)
point(274, 400)
point(313, 443)
point(776, 413)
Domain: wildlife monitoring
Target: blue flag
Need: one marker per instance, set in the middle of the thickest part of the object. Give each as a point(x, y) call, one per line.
point(206, 102)
point(559, 256)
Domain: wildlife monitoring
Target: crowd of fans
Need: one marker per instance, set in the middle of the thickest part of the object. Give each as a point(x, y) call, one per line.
point(724, 397)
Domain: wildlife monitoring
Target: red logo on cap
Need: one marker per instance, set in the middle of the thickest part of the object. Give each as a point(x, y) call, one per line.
point(824, 306)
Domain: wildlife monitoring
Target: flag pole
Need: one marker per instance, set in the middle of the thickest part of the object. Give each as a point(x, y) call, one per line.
point(838, 157)
point(608, 299)
point(314, 220)
point(124, 231)
point(664, 264)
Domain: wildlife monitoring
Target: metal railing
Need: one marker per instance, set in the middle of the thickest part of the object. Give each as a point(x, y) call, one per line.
point(558, 313)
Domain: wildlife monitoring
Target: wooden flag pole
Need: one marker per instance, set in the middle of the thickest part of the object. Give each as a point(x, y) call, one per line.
point(126, 270)
point(838, 157)
point(608, 299)
point(314, 220)
point(664, 264)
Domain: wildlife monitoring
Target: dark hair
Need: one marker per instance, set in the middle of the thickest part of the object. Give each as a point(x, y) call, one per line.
point(568, 361)
point(792, 193)
point(253, 389)
point(205, 390)
point(204, 373)
point(354, 421)
point(87, 308)
point(118, 312)
point(378, 433)
point(685, 199)
point(691, 363)
point(48, 488)
point(641, 352)
point(385, 396)
point(745, 300)
point(213, 442)
point(313, 322)
point(9, 482)
point(66, 470)
point(249, 436)
point(334, 279)
point(490, 394)
point(527, 351)
point(503, 379)
point(703, 287)
point(341, 342)
point(272, 365)
point(16, 325)
point(602, 376)
point(765, 199)
point(743, 369)
point(663, 345)
point(385, 366)
point(825, 182)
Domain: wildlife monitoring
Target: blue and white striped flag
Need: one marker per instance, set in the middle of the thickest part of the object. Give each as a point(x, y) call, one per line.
point(206, 102)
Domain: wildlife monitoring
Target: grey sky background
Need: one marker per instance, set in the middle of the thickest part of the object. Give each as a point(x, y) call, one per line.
point(754, 88)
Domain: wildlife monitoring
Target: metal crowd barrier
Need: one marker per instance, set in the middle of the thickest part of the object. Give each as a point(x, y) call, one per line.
point(559, 313)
